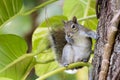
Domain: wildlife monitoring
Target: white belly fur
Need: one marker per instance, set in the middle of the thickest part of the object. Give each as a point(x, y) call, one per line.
point(82, 48)
point(81, 53)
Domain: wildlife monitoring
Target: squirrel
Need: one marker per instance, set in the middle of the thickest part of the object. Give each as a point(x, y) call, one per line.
point(74, 43)
point(79, 42)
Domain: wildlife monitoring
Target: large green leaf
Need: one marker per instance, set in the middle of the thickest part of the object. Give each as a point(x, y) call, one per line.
point(8, 9)
point(41, 42)
point(81, 9)
point(54, 22)
point(14, 62)
point(3, 78)
point(20, 25)
point(42, 69)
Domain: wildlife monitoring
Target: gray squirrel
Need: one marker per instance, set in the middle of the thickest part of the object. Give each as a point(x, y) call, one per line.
point(74, 43)
point(79, 42)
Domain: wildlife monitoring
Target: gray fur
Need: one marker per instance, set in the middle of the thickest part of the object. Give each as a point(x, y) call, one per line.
point(79, 43)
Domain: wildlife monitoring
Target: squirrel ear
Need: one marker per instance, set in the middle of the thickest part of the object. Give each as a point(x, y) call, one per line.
point(74, 19)
point(64, 21)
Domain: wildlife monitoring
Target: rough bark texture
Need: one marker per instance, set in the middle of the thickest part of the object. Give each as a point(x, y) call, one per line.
point(114, 69)
point(106, 10)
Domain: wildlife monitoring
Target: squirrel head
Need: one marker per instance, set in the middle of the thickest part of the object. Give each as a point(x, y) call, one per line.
point(71, 27)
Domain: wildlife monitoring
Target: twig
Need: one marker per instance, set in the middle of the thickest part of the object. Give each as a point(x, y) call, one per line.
point(109, 46)
point(78, 64)
point(38, 7)
point(86, 11)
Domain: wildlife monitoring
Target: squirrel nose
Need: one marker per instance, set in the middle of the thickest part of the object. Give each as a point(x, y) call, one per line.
point(69, 35)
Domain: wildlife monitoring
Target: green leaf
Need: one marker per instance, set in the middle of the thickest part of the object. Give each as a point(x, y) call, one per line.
point(44, 68)
point(62, 76)
point(9, 9)
point(40, 36)
point(14, 63)
point(41, 42)
point(20, 25)
point(54, 22)
point(81, 9)
point(3, 78)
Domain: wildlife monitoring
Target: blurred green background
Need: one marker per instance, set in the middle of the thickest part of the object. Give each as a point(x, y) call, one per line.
point(34, 29)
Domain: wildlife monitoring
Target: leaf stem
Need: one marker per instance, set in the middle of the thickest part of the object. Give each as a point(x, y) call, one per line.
point(86, 18)
point(86, 11)
point(38, 7)
point(77, 64)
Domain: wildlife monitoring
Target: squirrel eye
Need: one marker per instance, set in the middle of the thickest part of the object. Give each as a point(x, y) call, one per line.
point(73, 26)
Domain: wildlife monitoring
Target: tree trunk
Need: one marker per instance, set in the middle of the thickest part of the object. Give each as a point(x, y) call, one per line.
point(106, 61)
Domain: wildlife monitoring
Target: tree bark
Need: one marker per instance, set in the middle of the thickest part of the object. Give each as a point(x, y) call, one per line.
point(106, 65)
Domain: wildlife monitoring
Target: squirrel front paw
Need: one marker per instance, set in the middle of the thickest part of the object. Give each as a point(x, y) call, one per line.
point(93, 34)
point(65, 65)
point(97, 36)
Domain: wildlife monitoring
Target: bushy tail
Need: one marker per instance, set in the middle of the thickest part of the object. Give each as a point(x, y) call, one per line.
point(58, 42)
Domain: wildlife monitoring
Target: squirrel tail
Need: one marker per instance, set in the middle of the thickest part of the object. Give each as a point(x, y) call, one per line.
point(58, 42)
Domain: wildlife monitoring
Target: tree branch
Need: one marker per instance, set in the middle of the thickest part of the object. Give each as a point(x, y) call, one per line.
point(71, 66)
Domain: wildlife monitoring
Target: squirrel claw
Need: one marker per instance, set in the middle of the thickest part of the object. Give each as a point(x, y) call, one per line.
point(65, 65)
point(97, 36)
